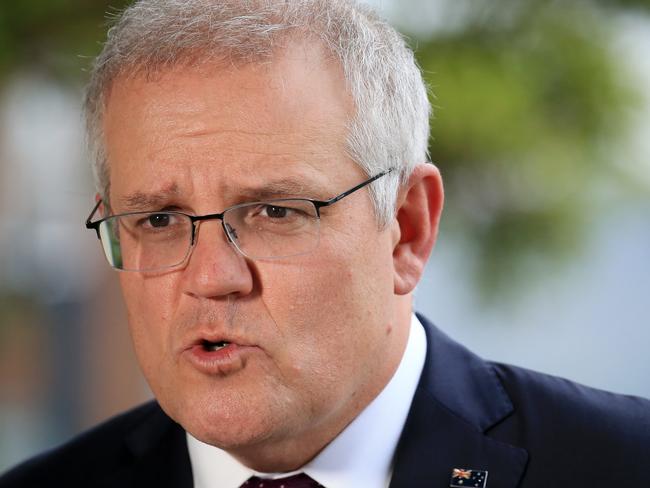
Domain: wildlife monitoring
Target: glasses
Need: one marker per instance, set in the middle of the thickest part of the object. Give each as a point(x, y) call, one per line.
point(155, 241)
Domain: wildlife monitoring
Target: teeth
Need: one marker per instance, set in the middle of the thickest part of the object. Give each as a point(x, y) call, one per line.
point(215, 346)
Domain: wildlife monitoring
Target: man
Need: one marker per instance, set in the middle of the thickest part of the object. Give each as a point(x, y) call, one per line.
point(264, 192)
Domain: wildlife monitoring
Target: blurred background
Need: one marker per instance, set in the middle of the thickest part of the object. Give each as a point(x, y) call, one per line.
point(542, 133)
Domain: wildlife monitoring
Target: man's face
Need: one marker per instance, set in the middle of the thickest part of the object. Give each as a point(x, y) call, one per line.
point(313, 336)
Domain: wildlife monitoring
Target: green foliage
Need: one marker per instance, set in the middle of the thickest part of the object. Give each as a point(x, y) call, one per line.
point(638, 4)
point(55, 36)
point(524, 112)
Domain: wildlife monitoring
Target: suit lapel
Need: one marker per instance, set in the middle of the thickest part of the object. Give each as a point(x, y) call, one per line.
point(155, 455)
point(457, 400)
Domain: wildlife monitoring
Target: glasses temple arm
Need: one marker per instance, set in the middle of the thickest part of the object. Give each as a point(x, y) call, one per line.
point(359, 186)
point(92, 225)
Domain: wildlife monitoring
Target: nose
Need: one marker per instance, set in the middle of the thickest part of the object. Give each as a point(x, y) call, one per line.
point(215, 268)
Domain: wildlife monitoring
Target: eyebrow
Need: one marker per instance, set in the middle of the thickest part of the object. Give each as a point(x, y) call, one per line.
point(139, 200)
point(283, 187)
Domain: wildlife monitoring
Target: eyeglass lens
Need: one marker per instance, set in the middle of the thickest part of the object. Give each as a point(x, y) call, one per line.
point(159, 240)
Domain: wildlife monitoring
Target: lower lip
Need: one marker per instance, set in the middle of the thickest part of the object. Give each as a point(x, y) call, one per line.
point(226, 360)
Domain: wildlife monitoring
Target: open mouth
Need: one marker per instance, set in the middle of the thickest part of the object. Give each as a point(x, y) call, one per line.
point(213, 356)
point(213, 346)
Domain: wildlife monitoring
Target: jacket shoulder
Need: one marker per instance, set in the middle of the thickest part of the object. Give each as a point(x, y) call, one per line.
point(93, 451)
point(544, 396)
point(572, 427)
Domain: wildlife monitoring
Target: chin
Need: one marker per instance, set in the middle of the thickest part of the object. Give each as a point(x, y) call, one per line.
point(230, 436)
point(224, 424)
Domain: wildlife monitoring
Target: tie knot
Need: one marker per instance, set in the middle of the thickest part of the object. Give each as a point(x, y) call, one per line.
point(296, 481)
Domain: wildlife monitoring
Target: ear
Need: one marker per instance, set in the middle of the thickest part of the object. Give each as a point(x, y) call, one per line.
point(102, 207)
point(419, 205)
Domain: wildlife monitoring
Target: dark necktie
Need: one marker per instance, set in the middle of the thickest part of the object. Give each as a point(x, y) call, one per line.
point(296, 481)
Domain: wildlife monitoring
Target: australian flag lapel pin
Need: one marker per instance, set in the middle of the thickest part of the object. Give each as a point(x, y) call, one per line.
point(468, 478)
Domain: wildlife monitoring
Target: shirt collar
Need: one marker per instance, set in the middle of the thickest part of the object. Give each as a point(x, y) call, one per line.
point(361, 455)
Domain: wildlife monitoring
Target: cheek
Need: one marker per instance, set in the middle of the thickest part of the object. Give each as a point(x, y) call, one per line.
point(149, 304)
point(329, 307)
point(305, 297)
point(155, 297)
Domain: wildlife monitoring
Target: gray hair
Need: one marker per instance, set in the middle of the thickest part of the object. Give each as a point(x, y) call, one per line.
point(390, 125)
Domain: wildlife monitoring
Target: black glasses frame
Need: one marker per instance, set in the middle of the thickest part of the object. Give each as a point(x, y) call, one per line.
point(230, 233)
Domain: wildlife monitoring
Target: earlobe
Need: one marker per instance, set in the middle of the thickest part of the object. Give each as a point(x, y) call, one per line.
point(419, 207)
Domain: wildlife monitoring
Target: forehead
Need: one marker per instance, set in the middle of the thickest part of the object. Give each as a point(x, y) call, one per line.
point(228, 123)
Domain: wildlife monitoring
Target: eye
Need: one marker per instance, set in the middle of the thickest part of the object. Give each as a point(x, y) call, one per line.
point(275, 212)
point(158, 220)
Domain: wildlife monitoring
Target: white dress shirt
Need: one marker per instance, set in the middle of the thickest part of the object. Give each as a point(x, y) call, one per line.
point(361, 455)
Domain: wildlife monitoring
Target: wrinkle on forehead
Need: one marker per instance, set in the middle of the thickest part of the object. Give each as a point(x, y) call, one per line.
point(220, 134)
point(235, 192)
point(295, 67)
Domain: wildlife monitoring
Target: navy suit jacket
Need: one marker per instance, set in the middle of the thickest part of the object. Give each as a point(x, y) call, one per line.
point(526, 429)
